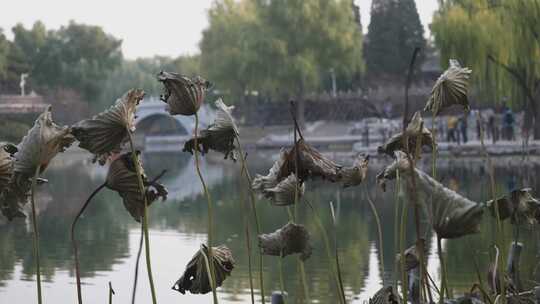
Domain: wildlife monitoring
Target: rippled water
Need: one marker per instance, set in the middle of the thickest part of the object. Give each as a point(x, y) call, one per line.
point(109, 237)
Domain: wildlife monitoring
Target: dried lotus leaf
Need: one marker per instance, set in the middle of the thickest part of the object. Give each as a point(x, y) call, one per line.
point(105, 133)
point(122, 178)
point(41, 144)
point(195, 278)
point(183, 95)
point(353, 176)
point(414, 131)
point(219, 136)
point(289, 239)
point(451, 215)
point(285, 192)
point(311, 164)
point(412, 256)
point(15, 196)
point(261, 183)
point(385, 295)
point(6, 165)
point(450, 89)
point(519, 205)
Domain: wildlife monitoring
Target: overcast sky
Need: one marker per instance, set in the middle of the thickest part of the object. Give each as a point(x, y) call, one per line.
point(147, 28)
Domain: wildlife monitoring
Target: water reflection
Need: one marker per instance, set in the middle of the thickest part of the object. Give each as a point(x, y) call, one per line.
point(109, 237)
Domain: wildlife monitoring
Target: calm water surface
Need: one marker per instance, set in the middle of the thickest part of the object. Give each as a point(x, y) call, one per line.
point(109, 237)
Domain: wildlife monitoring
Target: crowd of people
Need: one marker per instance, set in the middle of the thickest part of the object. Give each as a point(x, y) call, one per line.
point(497, 125)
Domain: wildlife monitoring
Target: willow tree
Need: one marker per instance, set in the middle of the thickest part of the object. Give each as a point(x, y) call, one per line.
point(281, 48)
point(228, 47)
point(500, 41)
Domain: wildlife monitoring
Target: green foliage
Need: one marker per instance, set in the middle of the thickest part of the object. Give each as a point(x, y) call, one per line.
point(12, 131)
point(473, 30)
point(394, 32)
point(280, 47)
point(76, 56)
point(141, 73)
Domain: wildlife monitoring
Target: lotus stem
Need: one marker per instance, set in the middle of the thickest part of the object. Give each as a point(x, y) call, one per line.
point(397, 266)
point(296, 194)
point(111, 293)
point(342, 298)
point(208, 268)
point(379, 229)
point(281, 282)
point(145, 217)
point(336, 253)
point(210, 213)
point(74, 241)
point(136, 278)
point(402, 240)
point(255, 215)
point(443, 269)
point(500, 234)
point(248, 239)
point(36, 236)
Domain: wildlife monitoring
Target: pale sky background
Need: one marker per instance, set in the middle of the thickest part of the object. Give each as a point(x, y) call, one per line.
point(147, 28)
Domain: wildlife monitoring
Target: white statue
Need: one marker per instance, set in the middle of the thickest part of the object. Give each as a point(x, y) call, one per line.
point(23, 83)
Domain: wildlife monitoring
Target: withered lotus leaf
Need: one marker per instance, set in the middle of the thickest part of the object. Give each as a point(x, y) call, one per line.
point(183, 95)
point(412, 256)
point(106, 132)
point(450, 89)
point(311, 164)
point(261, 183)
point(219, 136)
point(6, 164)
point(451, 215)
point(15, 196)
point(195, 278)
point(122, 178)
point(400, 164)
point(353, 176)
point(519, 205)
point(414, 131)
point(289, 239)
point(286, 191)
point(385, 295)
point(41, 144)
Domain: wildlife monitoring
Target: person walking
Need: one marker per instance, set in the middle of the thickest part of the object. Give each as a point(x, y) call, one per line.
point(452, 128)
point(463, 126)
point(508, 124)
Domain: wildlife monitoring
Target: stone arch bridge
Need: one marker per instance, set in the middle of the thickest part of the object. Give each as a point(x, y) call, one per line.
point(157, 130)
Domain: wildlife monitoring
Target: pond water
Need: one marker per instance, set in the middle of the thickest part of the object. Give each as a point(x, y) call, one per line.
point(109, 237)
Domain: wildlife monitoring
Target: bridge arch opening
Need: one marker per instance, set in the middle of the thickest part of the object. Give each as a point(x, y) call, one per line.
point(160, 124)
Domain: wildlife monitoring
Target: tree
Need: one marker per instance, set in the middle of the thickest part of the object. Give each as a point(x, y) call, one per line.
point(228, 46)
point(280, 48)
point(77, 57)
point(394, 32)
point(501, 42)
point(4, 51)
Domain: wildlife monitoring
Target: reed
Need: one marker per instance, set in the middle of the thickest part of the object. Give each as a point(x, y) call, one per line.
point(255, 215)
point(35, 235)
point(379, 229)
point(333, 266)
point(248, 237)
point(500, 230)
point(111, 293)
